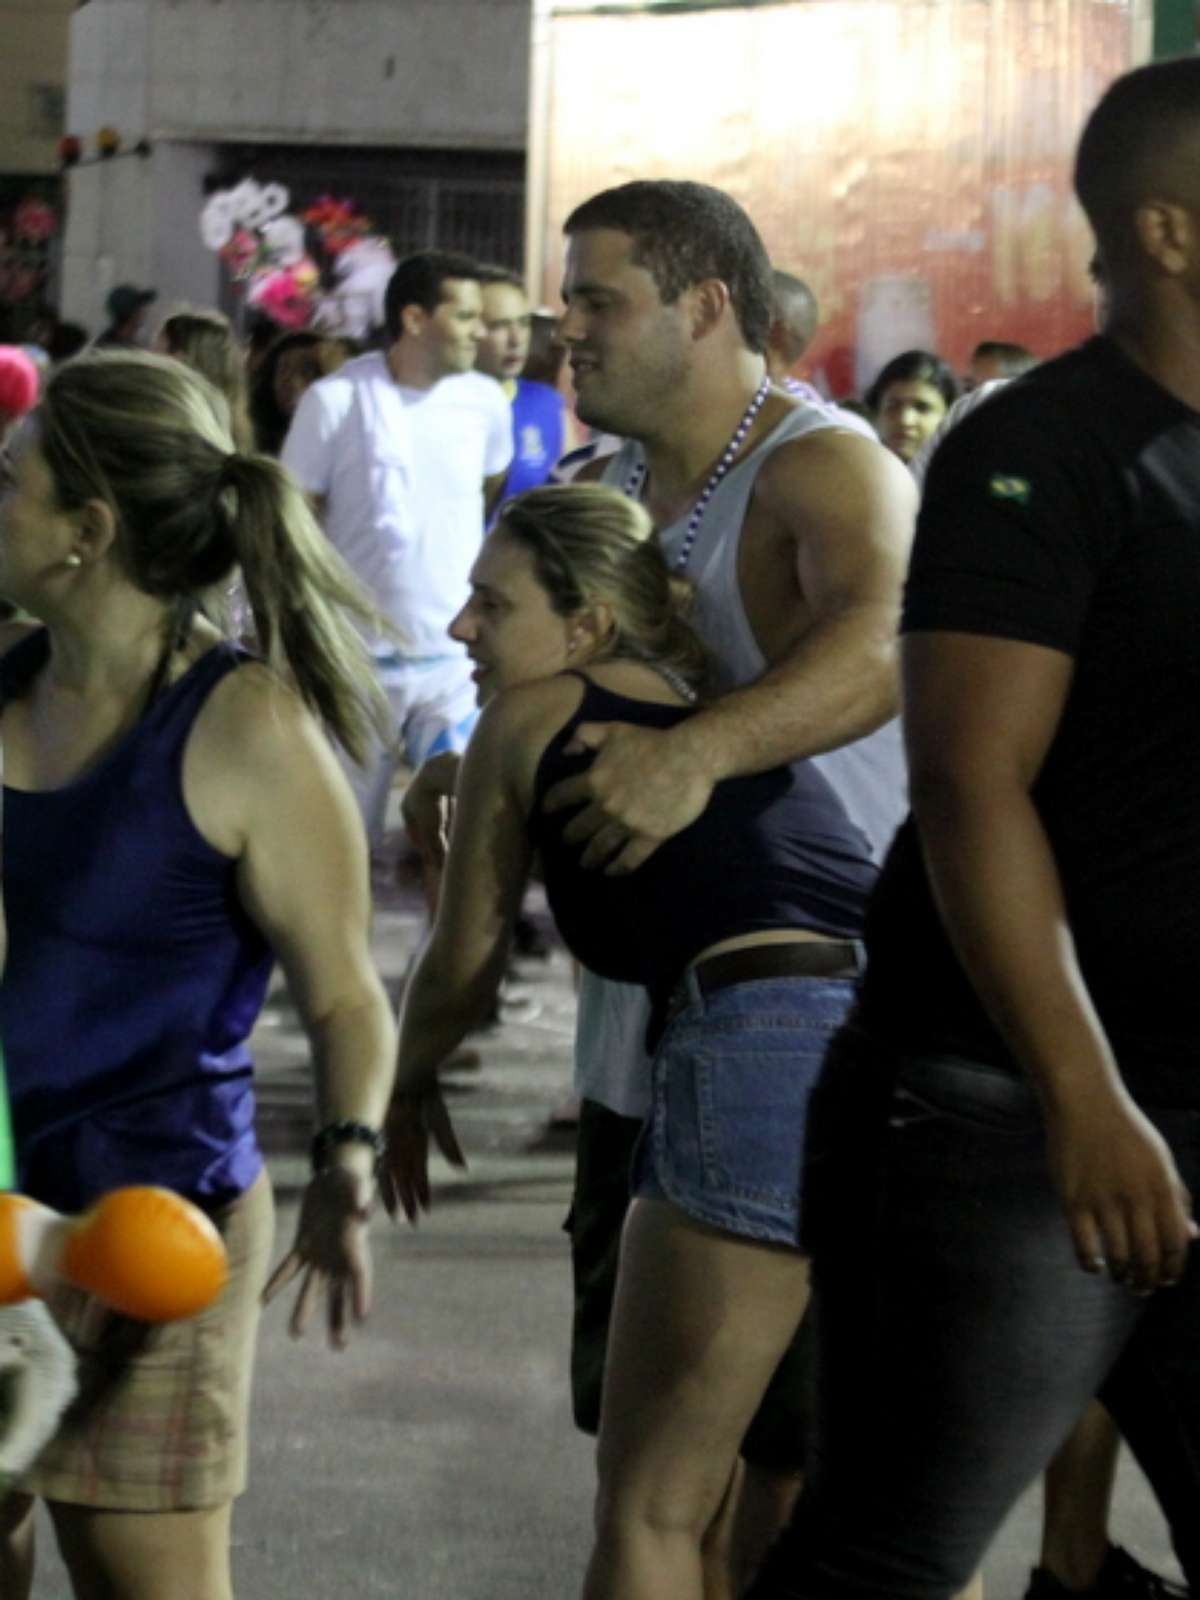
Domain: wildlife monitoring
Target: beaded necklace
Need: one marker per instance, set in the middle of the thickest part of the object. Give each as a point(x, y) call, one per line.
point(636, 480)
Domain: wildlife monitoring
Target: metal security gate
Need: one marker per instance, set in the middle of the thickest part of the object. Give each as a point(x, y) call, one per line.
point(472, 201)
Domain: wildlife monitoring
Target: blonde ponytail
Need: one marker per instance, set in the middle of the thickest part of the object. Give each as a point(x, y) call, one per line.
point(151, 438)
point(302, 597)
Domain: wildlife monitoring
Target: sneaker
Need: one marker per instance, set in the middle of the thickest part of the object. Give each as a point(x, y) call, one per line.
point(1121, 1578)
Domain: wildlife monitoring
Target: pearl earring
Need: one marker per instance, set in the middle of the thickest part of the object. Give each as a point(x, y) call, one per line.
point(73, 560)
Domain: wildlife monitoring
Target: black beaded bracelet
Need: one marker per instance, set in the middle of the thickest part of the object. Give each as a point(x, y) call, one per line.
point(345, 1132)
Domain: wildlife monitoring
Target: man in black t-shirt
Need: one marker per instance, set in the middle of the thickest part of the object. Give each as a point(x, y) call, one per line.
point(1012, 1123)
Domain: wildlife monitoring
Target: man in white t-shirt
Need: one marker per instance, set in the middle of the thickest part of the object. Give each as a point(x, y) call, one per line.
point(404, 451)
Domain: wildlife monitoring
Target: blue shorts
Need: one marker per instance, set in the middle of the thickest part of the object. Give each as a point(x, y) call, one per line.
point(725, 1137)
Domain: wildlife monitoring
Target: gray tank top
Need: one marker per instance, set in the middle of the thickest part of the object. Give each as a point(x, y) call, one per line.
point(868, 776)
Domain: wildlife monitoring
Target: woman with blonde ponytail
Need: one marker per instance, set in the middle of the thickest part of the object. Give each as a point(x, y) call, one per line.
point(175, 820)
point(743, 928)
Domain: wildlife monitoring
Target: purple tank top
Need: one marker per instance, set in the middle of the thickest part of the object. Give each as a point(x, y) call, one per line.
point(133, 975)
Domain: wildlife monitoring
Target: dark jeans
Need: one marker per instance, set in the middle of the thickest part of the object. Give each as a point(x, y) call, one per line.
point(958, 1340)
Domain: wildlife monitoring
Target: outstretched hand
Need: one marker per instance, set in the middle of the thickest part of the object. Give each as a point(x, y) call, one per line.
point(330, 1254)
point(643, 787)
point(412, 1120)
point(1129, 1211)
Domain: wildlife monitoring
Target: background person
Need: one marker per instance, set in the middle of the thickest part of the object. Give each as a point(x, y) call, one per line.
point(174, 821)
point(127, 307)
point(405, 451)
point(794, 320)
point(291, 364)
point(204, 341)
point(539, 412)
point(908, 400)
point(997, 358)
point(1018, 1089)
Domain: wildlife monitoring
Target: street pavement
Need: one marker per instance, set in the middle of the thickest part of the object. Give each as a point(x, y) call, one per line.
point(435, 1459)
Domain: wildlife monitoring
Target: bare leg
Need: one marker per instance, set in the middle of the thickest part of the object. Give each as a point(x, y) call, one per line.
point(16, 1546)
point(700, 1322)
point(1077, 1490)
point(129, 1555)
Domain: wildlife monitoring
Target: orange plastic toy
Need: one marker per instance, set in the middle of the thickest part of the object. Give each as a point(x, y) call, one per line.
point(144, 1251)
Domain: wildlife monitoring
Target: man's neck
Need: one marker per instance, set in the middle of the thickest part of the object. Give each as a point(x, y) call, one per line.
point(1163, 338)
point(699, 426)
point(409, 365)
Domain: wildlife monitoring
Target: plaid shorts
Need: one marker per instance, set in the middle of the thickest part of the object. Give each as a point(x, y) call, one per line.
point(160, 1421)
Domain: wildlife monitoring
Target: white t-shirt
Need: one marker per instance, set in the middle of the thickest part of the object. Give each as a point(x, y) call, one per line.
point(401, 472)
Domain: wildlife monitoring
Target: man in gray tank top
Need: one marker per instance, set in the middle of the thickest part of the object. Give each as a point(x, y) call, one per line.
point(795, 532)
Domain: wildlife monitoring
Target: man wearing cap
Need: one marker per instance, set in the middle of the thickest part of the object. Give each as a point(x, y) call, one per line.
point(126, 306)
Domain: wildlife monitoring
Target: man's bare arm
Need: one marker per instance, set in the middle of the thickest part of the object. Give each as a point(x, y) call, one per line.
point(848, 508)
point(844, 510)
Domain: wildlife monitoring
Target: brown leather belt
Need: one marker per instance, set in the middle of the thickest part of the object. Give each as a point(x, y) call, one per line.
point(801, 958)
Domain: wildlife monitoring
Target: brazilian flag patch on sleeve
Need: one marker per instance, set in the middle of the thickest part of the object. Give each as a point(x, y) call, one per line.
point(1002, 487)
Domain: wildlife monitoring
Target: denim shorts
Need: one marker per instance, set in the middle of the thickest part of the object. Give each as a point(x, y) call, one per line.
point(726, 1134)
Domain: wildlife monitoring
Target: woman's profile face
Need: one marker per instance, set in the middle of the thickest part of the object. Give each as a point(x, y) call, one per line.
point(36, 535)
point(909, 411)
point(508, 626)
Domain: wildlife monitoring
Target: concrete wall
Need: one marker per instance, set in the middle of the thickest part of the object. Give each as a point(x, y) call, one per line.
point(136, 221)
point(189, 74)
point(33, 54)
point(438, 73)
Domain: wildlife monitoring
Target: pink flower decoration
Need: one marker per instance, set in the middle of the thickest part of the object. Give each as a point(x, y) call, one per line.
point(282, 298)
point(34, 220)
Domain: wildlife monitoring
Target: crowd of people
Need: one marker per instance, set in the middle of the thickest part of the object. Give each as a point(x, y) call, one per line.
point(888, 1125)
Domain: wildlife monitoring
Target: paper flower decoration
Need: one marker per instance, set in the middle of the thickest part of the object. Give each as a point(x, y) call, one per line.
point(266, 248)
point(70, 148)
point(240, 253)
point(34, 221)
point(108, 141)
point(285, 296)
point(283, 241)
point(217, 220)
point(339, 223)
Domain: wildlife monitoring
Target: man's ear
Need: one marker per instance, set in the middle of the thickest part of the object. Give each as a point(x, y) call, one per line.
point(97, 530)
point(413, 319)
point(1167, 234)
point(709, 302)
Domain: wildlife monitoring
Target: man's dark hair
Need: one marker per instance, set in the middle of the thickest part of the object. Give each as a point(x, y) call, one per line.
point(914, 366)
point(795, 306)
point(683, 233)
point(419, 280)
point(1012, 359)
point(487, 273)
point(1140, 143)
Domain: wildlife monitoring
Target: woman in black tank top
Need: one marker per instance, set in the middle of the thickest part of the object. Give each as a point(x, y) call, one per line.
point(743, 928)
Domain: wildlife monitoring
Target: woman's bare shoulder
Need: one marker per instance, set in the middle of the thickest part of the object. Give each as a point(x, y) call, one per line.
point(517, 725)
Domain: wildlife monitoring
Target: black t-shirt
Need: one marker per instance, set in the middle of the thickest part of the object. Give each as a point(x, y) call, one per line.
point(1065, 512)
